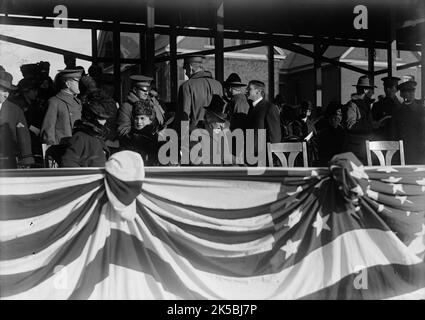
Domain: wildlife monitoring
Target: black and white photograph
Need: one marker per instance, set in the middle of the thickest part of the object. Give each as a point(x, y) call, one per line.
point(233, 151)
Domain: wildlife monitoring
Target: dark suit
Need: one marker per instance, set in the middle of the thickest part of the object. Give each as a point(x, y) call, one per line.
point(265, 115)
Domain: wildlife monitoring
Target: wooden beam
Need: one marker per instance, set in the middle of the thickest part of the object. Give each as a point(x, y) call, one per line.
point(423, 63)
point(43, 47)
point(308, 53)
point(173, 65)
point(150, 39)
point(212, 51)
point(142, 50)
point(270, 61)
point(219, 43)
point(402, 67)
point(318, 51)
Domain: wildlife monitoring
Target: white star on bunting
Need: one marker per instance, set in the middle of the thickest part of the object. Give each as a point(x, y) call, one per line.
point(421, 182)
point(320, 224)
point(294, 218)
point(403, 199)
point(381, 208)
point(358, 190)
point(372, 194)
point(358, 171)
point(397, 187)
point(392, 180)
point(290, 248)
point(408, 213)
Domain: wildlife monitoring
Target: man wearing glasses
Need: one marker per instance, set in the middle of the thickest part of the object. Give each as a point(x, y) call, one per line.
point(141, 90)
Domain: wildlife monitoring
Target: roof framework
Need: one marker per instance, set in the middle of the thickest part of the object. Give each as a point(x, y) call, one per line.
point(391, 25)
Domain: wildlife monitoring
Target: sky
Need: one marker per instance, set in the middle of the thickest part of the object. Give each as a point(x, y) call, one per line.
point(12, 56)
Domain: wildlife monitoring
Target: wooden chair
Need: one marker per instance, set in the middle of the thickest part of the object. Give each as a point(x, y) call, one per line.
point(391, 147)
point(293, 148)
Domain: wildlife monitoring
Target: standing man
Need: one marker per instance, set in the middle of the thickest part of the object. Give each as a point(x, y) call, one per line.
point(408, 124)
point(358, 121)
point(238, 107)
point(197, 92)
point(15, 141)
point(63, 109)
point(141, 91)
point(384, 108)
point(262, 114)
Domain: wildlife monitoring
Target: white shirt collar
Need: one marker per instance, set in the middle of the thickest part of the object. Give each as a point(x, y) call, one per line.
point(1, 105)
point(257, 101)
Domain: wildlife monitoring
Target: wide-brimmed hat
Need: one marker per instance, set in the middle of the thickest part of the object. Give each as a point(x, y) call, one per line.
point(233, 80)
point(364, 82)
point(217, 106)
point(6, 80)
point(98, 109)
point(407, 86)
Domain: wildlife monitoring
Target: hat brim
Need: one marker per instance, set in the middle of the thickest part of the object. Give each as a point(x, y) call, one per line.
point(362, 86)
point(7, 85)
point(236, 84)
point(223, 117)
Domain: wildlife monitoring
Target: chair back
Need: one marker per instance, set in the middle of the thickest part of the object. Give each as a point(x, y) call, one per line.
point(292, 148)
point(378, 148)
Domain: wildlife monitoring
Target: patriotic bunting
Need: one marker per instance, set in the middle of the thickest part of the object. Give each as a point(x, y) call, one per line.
point(129, 232)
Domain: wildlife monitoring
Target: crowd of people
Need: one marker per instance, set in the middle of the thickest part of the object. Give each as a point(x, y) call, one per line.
point(74, 119)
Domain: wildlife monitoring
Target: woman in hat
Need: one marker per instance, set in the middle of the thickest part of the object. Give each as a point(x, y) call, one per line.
point(15, 141)
point(143, 137)
point(87, 147)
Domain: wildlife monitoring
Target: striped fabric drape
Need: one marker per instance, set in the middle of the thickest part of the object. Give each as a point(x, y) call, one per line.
point(212, 233)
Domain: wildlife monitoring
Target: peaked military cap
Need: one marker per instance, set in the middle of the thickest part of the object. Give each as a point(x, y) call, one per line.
point(407, 86)
point(71, 73)
point(141, 80)
point(193, 58)
point(391, 81)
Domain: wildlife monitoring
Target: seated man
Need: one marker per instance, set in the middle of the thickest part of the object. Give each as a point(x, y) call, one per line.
point(87, 146)
point(143, 137)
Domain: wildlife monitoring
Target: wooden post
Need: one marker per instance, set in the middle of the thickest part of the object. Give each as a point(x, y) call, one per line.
point(150, 39)
point(117, 59)
point(371, 64)
point(219, 56)
point(173, 64)
point(318, 75)
point(392, 45)
point(94, 51)
point(270, 56)
point(423, 63)
point(142, 48)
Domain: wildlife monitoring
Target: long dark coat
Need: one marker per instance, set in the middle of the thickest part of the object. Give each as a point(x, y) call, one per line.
point(63, 110)
point(265, 115)
point(380, 109)
point(86, 147)
point(15, 141)
point(238, 108)
point(194, 95)
point(409, 126)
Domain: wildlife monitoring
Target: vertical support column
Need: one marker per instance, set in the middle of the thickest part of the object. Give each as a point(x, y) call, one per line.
point(116, 41)
point(270, 60)
point(94, 51)
point(371, 64)
point(150, 38)
point(318, 75)
point(423, 62)
point(219, 56)
point(392, 46)
point(142, 48)
point(173, 63)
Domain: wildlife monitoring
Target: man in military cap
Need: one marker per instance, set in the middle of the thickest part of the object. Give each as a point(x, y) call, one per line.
point(196, 92)
point(141, 90)
point(384, 109)
point(63, 110)
point(409, 124)
point(15, 141)
point(358, 121)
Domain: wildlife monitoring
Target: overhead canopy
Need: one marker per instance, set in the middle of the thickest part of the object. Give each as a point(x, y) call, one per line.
point(315, 18)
